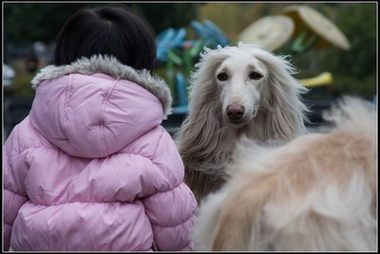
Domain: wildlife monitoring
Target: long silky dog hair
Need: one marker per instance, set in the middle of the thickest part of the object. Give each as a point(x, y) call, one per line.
point(257, 81)
point(315, 193)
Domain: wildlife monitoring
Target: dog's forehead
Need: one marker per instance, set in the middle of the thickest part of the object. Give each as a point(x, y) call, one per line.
point(242, 60)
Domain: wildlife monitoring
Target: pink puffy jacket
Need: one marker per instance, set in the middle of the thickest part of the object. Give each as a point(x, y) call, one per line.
point(90, 168)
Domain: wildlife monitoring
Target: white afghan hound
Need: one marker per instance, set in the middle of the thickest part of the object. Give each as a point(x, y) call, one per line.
point(235, 91)
point(317, 192)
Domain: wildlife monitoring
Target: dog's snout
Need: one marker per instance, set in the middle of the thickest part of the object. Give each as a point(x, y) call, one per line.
point(235, 111)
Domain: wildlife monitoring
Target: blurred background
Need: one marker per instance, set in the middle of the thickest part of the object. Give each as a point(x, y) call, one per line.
point(332, 45)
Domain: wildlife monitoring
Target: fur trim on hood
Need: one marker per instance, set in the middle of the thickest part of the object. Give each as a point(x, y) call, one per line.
point(111, 66)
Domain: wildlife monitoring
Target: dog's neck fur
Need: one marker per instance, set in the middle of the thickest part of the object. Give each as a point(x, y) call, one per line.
point(206, 174)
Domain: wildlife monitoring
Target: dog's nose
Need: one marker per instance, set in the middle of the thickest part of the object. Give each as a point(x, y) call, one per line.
point(235, 111)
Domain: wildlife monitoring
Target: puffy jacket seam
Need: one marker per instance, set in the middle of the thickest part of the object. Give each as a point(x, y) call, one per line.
point(171, 189)
point(65, 101)
point(158, 145)
point(160, 192)
point(103, 124)
point(110, 202)
point(64, 113)
point(175, 225)
point(56, 149)
point(25, 150)
point(15, 192)
point(138, 155)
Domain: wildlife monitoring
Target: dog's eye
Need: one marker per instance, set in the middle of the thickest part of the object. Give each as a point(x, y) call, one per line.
point(255, 75)
point(222, 76)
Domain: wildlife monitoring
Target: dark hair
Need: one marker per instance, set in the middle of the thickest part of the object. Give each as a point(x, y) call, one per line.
point(107, 31)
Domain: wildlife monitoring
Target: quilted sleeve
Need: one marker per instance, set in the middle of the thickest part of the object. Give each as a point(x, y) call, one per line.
point(171, 212)
point(15, 169)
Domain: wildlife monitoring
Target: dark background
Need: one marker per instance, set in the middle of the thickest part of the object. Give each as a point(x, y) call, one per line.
point(354, 70)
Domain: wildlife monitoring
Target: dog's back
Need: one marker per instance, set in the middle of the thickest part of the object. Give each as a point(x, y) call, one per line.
point(317, 192)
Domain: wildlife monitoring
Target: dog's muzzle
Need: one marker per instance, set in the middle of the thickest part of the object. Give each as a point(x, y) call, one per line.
point(237, 115)
point(235, 112)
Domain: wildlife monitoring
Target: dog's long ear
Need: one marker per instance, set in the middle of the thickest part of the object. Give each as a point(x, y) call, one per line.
point(197, 137)
point(285, 113)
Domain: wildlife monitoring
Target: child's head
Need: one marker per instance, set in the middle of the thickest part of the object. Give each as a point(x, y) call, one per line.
point(107, 31)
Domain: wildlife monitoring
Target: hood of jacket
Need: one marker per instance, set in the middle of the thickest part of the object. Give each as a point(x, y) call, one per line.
point(96, 106)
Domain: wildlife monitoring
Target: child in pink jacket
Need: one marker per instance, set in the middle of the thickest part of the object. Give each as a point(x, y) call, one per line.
point(91, 168)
